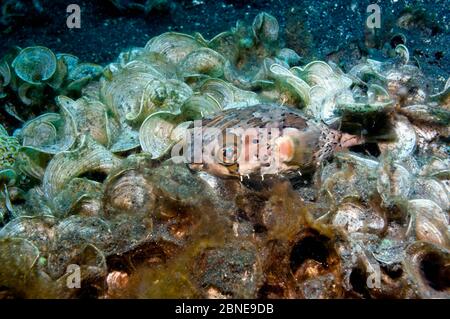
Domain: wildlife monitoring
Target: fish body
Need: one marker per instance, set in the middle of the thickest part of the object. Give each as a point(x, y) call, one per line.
point(264, 139)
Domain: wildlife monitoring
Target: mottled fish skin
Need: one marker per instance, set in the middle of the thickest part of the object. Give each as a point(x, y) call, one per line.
point(301, 145)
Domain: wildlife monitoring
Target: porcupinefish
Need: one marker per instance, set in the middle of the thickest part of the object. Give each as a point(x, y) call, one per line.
point(261, 140)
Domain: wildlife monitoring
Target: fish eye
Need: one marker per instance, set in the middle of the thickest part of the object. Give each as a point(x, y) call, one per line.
point(227, 155)
point(227, 152)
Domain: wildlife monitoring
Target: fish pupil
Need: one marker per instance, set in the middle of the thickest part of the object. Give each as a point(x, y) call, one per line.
point(228, 154)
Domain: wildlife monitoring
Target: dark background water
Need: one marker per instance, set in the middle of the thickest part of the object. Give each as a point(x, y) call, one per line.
point(315, 29)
